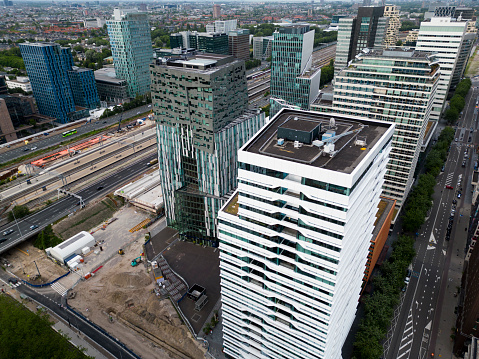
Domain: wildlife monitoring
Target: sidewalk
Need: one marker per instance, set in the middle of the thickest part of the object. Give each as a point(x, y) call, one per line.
point(77, 340)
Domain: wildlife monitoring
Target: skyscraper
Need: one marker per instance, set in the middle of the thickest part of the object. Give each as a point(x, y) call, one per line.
point(216, 11)
point(238, 42)
point(50, 68)
point(202, 121)
point(366, 30)
point(444, 37)
point(292, 77)
point(295, 236)
point(131, 48)
point(393, 85)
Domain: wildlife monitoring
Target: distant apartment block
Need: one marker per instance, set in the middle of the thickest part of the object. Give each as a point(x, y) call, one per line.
point(94, 23)
point(130, 40)
point(295, 236)
point(292, 77)
point(216, 11)
point(222, 26)
point(21, 82)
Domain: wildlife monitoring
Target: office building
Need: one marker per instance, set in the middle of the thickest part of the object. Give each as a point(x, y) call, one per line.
point(130, 41)
point(238, 43)
point(451, 11)
point(444, 37)
point(294, 238)
point(94, 23)
point(216, 11)
point(176, 41)
point(464, 53)
point(7, 3)
point(20, 82)
point(293, 80)
point(15, 112)
point(212, 43)
point(110, 88)
point(200, 111)
point(48, 66)
point(222, 26)
point(83, 85)
point(393, 85)
point(262, 47)
point(366, 30)
point(394, 24)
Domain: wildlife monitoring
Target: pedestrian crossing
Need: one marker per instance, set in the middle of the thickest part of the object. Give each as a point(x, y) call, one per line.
point(57, 287)
point(407, 338)
point(15, 285)
point(449, 178)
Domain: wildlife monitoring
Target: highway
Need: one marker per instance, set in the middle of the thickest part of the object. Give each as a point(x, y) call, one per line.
point(415, 327)
point(67, 205)
point(8, 154)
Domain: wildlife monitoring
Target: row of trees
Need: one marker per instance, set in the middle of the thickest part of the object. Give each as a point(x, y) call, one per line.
point(420, 199)
point(321, 37)
point(252, 63)
point(136, 102)
point(379, 306)
point(457, 102)
point(18, 212)
point(12, 58)
point(24, 334)
point(327, 73)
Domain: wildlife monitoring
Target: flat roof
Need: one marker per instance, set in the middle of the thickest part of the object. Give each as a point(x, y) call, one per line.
point(348, 155)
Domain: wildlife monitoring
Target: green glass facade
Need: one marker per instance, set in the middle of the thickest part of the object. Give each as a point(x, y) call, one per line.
point(202, 121)
point(131, 48)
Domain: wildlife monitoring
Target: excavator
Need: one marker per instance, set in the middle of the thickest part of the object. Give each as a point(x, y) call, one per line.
point(136, 261)
point(121, 252)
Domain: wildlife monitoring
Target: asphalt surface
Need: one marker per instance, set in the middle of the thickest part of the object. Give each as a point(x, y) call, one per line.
point(55, 139)
point(67, 205)
point(55, 303)
point(416, 321)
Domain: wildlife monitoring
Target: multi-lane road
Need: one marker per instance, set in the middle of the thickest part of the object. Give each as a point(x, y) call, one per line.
point(415, 327)
point(21, 228)
point(56, 138)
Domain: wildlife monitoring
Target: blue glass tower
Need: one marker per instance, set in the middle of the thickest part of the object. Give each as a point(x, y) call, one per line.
point(58, 86)
point(46, 67)
point(131, 48)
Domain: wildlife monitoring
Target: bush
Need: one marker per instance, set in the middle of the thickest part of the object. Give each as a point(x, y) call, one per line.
point(46, 238)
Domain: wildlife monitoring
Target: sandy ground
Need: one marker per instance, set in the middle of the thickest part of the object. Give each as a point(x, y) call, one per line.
point(22, 260)
point(120, 299)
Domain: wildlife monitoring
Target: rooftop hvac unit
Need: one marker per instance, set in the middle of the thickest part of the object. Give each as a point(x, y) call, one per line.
point(329, 148)
point(280, 141)
point(360, 141)
point(297, 144)
point(332, 123)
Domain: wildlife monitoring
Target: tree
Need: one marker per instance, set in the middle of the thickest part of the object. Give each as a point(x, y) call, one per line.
point(451, 115)
point(18, 212)
point(47, 238)
point(25, 334)
point(457, 102)
point(399, 43)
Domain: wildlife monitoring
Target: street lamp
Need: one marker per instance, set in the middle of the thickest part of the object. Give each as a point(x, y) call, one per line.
point(16, 222)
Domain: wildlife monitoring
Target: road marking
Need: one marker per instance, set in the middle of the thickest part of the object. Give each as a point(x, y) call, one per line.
point(59, 288)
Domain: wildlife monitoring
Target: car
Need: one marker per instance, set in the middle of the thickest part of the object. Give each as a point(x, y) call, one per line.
point(443, 168)
point(449, 187)
point(138, 113)
point(459, 195)
point(8, 231)
point(404, 288)
point(26, 149)
point(469, 139)
point(149, 105)
point(33, 148)
point(454, 201)
point(451, 218)
point(3, 240)
point(409, 273)
point(104, 121)
point(33, 227)
point(99, 188)
point(455, 140)
point(406, 280)
point(12, 280)
point(463, 163)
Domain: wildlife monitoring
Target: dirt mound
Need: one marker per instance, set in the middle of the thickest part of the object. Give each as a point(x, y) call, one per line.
point(130, 280)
